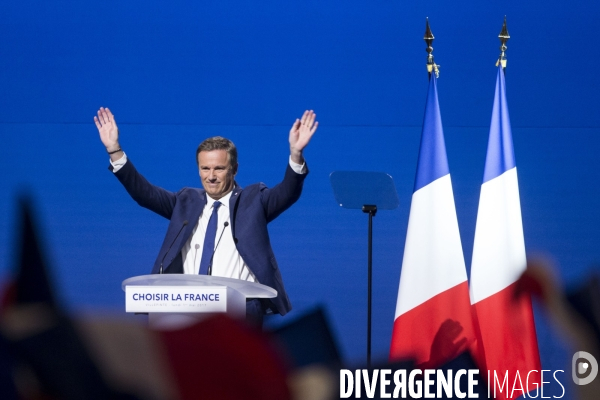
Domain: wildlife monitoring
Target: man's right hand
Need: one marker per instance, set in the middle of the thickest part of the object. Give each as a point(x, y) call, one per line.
point(109, 133)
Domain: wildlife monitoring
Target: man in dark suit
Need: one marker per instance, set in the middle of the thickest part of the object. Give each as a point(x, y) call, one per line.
point(221, 229)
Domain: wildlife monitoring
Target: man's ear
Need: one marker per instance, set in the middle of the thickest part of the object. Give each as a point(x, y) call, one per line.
point(234, 169)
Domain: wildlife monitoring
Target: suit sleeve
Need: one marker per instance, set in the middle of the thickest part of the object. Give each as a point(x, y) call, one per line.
point(283, 195)
point(147, 195)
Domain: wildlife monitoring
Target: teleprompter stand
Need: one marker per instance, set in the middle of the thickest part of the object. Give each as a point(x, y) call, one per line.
point(369, 192)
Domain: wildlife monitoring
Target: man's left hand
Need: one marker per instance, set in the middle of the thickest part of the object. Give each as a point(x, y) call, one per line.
point(300, 135)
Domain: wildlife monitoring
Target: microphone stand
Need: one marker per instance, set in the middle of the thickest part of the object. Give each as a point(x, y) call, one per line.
point(209, 272)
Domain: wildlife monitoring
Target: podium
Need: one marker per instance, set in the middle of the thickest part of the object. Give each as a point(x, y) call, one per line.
point(173, 301)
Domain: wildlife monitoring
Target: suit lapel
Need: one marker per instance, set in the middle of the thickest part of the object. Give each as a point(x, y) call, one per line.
point(196, 207)
point(233, 201)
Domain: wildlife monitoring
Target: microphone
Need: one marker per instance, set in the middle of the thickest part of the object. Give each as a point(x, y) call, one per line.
point(209, 272)
point(197, 246)
point(160, 270)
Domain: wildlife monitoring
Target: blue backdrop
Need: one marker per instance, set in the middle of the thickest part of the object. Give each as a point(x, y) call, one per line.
point(175, 73)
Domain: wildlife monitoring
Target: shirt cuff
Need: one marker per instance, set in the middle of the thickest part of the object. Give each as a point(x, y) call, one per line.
point(298, 168)
point(118, 164)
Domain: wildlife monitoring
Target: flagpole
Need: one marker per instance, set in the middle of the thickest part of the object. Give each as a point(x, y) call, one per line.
point(506, 331)
point(433, 293)
point(431, 65)
point(503, 36)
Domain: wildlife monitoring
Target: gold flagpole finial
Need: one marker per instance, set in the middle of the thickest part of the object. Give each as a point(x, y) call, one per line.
point(503, 36)
point(431, 65)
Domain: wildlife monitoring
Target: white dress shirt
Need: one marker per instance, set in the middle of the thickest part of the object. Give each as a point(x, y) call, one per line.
point(227, 261)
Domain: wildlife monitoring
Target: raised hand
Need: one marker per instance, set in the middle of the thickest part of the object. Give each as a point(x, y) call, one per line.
point(107, 128)
point(301, 133)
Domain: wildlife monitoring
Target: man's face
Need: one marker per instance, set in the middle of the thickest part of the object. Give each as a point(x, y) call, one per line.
point(216, 174)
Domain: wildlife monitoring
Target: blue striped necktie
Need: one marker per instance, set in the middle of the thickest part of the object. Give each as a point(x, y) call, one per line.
point(209, 239)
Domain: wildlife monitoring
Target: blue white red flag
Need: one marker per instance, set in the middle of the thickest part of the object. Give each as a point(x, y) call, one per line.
point(505, 324)
point(433, 321)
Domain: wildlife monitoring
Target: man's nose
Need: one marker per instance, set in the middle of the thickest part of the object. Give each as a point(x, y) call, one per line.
point(212, 176)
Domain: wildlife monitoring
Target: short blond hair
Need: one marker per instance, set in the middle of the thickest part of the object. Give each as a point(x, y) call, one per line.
point(219, 143)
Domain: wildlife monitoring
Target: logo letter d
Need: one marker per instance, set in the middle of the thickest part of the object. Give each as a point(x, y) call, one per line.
point(582, 367)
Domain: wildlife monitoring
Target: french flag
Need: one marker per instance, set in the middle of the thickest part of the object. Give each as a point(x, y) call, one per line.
point(505, 325)
point(433, 321)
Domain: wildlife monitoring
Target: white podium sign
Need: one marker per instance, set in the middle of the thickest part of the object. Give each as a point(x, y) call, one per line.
point(179, 299)
point(173, 301)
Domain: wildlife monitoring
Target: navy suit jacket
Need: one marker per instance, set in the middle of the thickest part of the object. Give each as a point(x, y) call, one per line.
point(252, 208)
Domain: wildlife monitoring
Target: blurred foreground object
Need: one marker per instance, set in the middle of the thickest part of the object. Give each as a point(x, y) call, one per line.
point(576, 315)
point(47, 355)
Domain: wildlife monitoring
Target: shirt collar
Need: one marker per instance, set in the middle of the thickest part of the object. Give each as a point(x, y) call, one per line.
point(224, 200)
